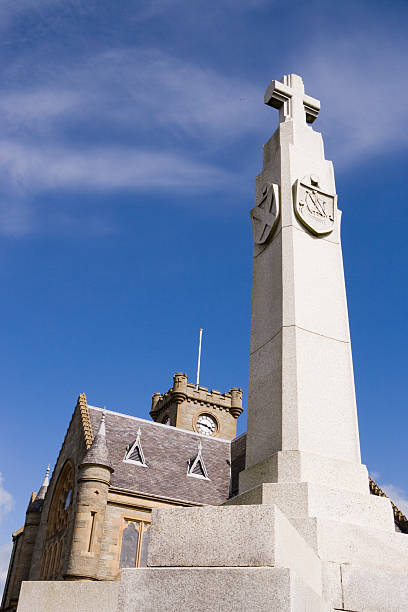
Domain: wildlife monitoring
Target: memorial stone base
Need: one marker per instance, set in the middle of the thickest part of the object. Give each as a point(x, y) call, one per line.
point(270, 555)
point(256, 558)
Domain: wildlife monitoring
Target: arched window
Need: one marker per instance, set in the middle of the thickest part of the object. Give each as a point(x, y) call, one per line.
point(135, 542)
point(58, 516)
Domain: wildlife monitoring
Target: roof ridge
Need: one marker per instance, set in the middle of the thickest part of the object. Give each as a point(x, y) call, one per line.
point(149, 422)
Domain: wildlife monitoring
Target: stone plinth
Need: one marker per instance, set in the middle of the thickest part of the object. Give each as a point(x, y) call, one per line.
point(232, 537)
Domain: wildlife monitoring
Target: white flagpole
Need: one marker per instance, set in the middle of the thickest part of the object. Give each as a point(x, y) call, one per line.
point(199, 359)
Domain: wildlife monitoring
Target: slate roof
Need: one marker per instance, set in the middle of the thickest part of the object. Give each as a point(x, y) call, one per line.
point(167, 451)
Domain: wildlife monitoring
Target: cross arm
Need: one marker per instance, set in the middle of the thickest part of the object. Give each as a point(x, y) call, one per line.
point(278, 93)
point(312, 108)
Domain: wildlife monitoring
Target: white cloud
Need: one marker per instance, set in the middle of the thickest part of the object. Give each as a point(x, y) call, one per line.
point(6, 500)
point(27, 168)
point(5, 552)
point(135, 119)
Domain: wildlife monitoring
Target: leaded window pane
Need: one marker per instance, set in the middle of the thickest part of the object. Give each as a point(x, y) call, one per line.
point(144, 547)
point(130, 540)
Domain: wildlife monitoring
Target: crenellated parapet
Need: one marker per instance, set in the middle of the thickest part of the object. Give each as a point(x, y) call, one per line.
point(182, 390)
point(184, 400)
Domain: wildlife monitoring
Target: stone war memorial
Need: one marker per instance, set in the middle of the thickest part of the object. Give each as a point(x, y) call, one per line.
point(301, 527)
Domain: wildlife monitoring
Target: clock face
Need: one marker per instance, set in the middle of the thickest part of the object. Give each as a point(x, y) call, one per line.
point(206, 425)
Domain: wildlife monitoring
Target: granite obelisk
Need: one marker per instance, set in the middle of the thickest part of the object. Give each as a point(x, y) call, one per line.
point(301, 387)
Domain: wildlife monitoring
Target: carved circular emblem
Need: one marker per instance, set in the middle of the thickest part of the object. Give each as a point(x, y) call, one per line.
point(265, 213)
point(314, 207)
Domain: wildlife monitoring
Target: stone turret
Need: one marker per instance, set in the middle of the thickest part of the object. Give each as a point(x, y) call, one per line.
point(155, 398)
point(37, 502)
point(179, 387)
point(199, 410)
point(92, 496)
point(236, 402)
point(27, 538)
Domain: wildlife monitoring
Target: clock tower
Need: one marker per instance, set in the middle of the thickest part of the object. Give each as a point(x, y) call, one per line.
point(206, 412)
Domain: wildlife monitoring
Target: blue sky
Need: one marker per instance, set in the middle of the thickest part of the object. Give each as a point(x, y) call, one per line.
point(130, 135)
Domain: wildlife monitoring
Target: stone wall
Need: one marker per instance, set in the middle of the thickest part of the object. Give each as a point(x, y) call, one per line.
point(74, 449)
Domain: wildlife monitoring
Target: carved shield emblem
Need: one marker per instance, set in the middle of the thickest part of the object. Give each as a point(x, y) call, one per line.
point(265, 213)
point(313, 207)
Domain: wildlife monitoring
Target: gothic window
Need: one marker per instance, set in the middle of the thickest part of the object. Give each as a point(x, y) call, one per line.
point(135, 543)
point(58, 516)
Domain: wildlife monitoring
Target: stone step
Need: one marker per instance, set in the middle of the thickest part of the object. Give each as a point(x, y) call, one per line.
point(216, 589)
point(231, 536)
point(353, 544)
point(306, 500)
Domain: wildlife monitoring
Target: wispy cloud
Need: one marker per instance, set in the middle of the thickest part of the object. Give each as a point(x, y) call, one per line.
point(138, 118)
point(27, 169)
point(23, 107)
point(124, 119)
point(360, 84)
point(9, 9)
point(134, 88)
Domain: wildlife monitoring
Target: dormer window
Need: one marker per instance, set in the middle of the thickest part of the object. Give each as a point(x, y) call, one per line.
point(134, 452)
point(196, 466)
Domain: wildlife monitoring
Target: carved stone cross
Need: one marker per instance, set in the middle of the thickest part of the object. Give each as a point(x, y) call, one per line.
point(290, 98)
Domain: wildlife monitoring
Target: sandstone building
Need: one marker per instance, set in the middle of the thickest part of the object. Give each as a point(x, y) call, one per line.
point(93, 517)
